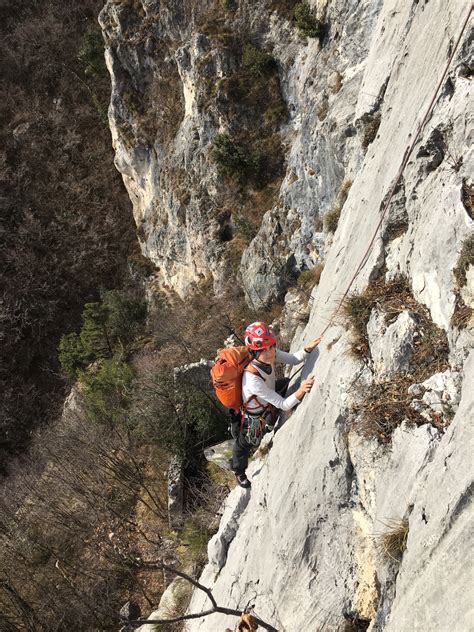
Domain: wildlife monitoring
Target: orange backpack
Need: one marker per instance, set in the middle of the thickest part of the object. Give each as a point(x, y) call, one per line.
point(226, 375)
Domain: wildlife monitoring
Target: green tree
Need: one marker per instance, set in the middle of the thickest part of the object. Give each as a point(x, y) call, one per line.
point(306, 22)
point(106, 386)
point(94, 333)
point(229, 156)
point(125, 313)
point(107, 326)
point(257, 61)
point(72, 355)
point(76, 351)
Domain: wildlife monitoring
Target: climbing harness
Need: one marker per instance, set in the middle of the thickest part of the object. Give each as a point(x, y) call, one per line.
point(252, 426)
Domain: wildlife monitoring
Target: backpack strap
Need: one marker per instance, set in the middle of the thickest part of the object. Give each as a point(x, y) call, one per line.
point(253, 370)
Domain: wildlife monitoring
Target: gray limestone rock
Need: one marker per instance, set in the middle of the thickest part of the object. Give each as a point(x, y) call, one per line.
point(433, 572)
point(219, 544)
point(171, 600)
point(294, 316)
point(442, 391)
point(391, 347)
point(220, 454)
point(439, 394)
point(415, 390)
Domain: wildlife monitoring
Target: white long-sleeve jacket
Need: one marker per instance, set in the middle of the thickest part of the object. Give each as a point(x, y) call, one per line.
point(263, 385)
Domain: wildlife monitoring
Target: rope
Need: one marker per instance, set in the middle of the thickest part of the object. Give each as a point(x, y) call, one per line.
point(407, 154)
point(404, 163)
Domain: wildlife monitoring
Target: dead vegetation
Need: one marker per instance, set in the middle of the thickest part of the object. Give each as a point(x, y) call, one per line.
point(466, 259)
point(392, 298)
point(467, 197)
point(331, 219)
point(355, 623)
point(392, 543)
point(92, 497)
point(462, 313)
point(72, 521)
point(66, 221)
point(384, 406)
point(395, 230)
point(370, 129)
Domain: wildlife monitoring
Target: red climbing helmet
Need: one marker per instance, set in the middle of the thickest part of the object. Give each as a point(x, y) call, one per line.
point(259, 336)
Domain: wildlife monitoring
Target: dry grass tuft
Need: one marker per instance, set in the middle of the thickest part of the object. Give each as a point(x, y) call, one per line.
point(309, 278)
point(466, 259)
point(395, 230)
point(383, 408)
point(331, 219)
point(467, 197)
point(462, 313)
point(393, 542)
point(391, 297)
point(354, 623)
point(371, 129)
point(357, 310)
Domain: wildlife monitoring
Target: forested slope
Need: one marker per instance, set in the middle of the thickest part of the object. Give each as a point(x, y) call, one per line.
point(65, 221)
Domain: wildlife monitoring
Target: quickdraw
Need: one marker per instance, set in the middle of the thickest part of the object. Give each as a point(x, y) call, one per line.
point(254, 429)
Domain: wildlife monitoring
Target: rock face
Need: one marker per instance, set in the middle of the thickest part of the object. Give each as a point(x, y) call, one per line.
point(309, 550)
point(308, 546)
point(392, 346)
point(176, 71)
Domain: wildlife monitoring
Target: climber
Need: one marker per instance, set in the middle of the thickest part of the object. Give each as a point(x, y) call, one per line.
point(262, 395)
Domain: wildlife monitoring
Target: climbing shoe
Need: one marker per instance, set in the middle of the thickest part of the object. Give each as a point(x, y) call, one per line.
point(243, 481)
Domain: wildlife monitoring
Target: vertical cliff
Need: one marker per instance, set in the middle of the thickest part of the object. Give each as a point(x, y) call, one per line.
point(377, 127)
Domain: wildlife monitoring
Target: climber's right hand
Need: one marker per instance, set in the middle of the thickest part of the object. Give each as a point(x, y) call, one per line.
point(305, 387)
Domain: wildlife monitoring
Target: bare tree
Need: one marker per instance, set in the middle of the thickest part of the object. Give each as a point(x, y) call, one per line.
point(215, 608)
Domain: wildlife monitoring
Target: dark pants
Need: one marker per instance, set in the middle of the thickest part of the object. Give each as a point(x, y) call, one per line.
point(240, 455)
